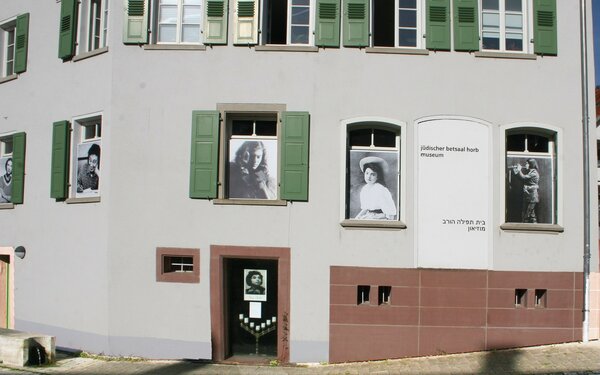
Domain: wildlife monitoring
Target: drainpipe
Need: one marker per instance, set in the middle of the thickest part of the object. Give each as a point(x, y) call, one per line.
point(586, 172)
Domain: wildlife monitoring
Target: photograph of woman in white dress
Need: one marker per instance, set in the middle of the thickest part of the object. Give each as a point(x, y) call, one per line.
point(373, 185)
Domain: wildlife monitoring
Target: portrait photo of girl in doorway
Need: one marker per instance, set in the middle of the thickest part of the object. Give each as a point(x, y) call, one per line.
point(255, 287)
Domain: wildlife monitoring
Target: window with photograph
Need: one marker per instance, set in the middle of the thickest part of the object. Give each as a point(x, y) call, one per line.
point(373, 172)
point(76, 158)
point(263, 155)
point(530, 176)
point(13, 45)
point(178, 21)
point(12, 168)
point(83, 27)
point(504, 25)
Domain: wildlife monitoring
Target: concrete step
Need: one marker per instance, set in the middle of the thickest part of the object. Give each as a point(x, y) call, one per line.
point(23, 348)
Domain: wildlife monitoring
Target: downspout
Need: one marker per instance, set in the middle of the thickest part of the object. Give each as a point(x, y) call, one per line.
point(586, 172)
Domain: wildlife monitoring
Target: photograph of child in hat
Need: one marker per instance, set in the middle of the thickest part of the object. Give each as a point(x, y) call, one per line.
point(529, 190)
point(88, 169)
point(373, 185)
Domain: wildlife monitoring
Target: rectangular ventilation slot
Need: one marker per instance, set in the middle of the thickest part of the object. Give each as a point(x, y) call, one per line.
point(362, 294)
point(327, 11)
point(544, 18)
point(356, 11)
point(65, 24)
point(214, 9)
point(466, 15)
point(520, 297)
point(437, 14)
point(384, 293)
point(245, 8)
point(540, 298)
point(135, 8)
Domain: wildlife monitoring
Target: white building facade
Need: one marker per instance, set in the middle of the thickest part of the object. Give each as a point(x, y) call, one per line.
point(310, 180)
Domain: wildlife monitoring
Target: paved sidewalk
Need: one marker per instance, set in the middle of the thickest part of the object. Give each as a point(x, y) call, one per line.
point(572, 358)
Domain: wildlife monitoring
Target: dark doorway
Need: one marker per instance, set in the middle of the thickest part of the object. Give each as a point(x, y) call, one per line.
point(250, 292)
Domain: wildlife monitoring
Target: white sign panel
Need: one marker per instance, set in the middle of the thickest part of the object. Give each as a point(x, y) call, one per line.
point(454, 192)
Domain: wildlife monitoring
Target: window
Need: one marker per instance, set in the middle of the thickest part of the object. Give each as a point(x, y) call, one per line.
point(76, 169)
point(384, 294)
point(287, 22)
point(178, 21)
point(373, 172)
point(540, 298)
point(504, 25)
point(12, 168)
point(520, 297)
point(13, 45)
point(396, 23)
point(363, 294)
point(83, 27)
point(177, 265)
point(530, 176)
point(264, 154)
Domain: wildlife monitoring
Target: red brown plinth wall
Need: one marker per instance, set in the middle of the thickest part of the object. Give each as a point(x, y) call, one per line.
point(595, 306)
point(452, 311)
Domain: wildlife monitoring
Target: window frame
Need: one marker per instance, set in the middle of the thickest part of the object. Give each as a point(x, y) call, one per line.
point(527, 12)
point(155, 11)
point(6, 27)
point(229, 113)
point(312, 4)
point(399, 127)
point(86, 30)
point(421, 24)
point(78, 138)
point(192, 277)
point(546, 131)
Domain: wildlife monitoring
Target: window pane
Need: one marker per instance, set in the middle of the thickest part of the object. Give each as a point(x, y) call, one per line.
point(300, 15)
point(513, 6)
point(491, 41)
point(192, 2)
point(191, 14)
point(168, 14)
point(490, 4)
point(9, 68)
point(166, 33)
point(407, 37)
point(10, 51)
point(241, 127)
point(190, 34)
point(360, 137)
point(266, 128)
point(407, 18)
point(8, 146)
point(299, 35)
point(300, 2)
point(537, 143)
point(170, 2)
point(491, 20)
point(90, 132)
point(407, 4)
point(514, 21)
point(515, 142)
point(384, 138)
point(514, 42)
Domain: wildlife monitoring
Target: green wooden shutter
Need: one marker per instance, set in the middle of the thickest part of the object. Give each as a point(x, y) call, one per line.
point(356, 23)
point(245, 22)
point(294, 156)
point(215, 22)
point(21, 43)
point(18, 168)
point(205, 154)
point(466, 25)
point(135, 25)
point(544, 32)
point(68, 29)
point(438, 25)
point(328, 23)
point(59, 178)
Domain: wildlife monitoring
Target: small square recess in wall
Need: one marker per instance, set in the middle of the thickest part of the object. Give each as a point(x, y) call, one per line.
point(177, 265)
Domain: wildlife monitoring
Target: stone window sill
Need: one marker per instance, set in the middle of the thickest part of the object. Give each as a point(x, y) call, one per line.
point(400, 51)
point(82, 200)
point(527, 227)
point(382, 224)
point(505, 55)
point(87, 55)
point(174, 47)
point(285, 48)
point(8, 78)
point(6, 206)
point(251, 202)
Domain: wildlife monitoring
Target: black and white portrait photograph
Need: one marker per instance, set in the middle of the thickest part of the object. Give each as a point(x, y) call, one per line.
point(253, 169)
point(373, 181)
point(255, 286)
point(88, 169)
point(529, 189)
point(6, 176)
